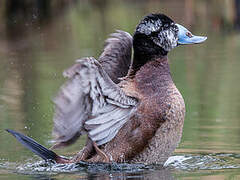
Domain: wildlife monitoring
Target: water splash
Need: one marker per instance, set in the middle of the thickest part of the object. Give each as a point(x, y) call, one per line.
point(42, 167)
point(204, 162)
point(189, 162)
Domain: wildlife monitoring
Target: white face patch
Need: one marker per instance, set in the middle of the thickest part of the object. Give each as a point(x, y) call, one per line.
point(166, 39)
point(149, 26)
point(160, 29)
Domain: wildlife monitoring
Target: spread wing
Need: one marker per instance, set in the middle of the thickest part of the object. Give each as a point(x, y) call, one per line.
point(90, 102)
point(116, 57)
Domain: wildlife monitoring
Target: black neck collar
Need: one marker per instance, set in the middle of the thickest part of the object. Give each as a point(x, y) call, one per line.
point(145, 50)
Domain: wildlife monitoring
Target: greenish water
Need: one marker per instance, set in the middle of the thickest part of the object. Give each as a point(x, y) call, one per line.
point(33, 56)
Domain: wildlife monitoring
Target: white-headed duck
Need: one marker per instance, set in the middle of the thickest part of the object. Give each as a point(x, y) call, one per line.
point(129, 108)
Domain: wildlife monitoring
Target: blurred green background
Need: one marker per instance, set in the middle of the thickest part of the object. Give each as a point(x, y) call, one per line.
point(41, 38)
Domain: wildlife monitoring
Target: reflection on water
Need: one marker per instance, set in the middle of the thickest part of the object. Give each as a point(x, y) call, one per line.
point(33, 55)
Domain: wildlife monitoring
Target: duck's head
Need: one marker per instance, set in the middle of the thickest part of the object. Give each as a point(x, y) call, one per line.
point(157, 34)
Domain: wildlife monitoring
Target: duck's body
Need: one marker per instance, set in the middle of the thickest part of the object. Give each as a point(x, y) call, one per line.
point(155, 128)
point(138, 119)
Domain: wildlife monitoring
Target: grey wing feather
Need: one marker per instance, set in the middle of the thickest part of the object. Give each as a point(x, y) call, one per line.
point(107, 130)
point(116, 57)
point(90, 102)
point(68, 115)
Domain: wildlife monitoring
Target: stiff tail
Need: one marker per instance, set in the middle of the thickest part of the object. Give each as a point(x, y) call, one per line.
point(37, 148)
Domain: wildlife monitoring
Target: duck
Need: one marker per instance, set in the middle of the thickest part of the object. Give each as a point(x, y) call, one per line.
point(128, 107)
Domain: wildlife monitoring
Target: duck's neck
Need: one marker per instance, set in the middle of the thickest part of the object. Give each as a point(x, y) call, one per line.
point(145, 50)
point(154, 76)
point(158, 66)
point(139, 61)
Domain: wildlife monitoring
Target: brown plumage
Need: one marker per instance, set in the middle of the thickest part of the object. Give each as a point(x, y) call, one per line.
point(140, 119)
point(155, 128)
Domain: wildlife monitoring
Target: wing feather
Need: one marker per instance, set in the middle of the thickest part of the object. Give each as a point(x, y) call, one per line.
point(106, 130)
point(116, 56)
point(90, 102)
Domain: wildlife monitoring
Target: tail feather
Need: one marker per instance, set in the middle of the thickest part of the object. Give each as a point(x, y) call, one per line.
point(35, 147)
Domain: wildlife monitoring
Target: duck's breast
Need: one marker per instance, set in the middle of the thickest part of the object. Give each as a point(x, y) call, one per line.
point(168, 135)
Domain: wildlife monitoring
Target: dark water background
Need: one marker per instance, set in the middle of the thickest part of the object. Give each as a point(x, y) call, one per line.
point(38, 41)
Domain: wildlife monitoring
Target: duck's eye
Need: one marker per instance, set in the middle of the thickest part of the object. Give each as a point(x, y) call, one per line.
point(189, 34)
